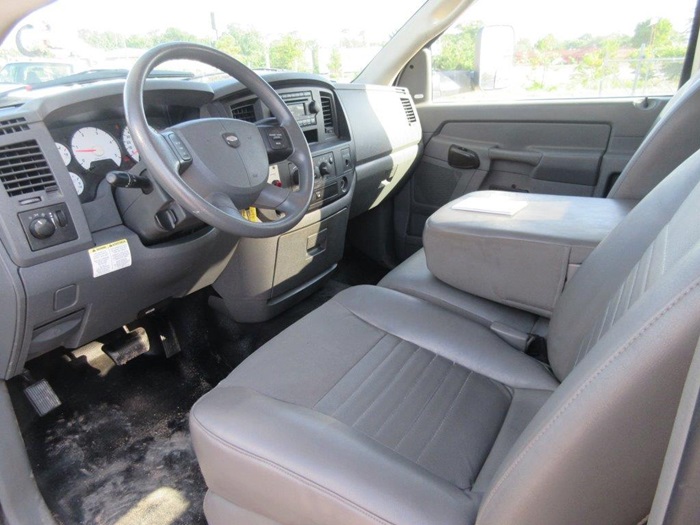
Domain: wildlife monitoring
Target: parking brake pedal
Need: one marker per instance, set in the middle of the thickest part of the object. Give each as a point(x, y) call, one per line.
point(42, 397)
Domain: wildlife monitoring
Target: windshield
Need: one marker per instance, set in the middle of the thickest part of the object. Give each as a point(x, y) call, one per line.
point(68, 37)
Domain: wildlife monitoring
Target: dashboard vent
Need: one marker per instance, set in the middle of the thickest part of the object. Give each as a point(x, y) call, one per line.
point(408, 108)
point(327, 108)
point(13, 126)
point(245, 112)
point(24, 170)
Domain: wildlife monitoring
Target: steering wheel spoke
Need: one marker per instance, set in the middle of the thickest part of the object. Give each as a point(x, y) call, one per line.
point(276, 138)
point(173, 147)
point(224, 204)
point(280, 199)
point(293, 202)
point(272, 197)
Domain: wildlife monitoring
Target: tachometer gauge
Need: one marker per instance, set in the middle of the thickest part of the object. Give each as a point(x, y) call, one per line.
point(91, 145)
point(77, 182)
point(65, 153)
point(129, 145)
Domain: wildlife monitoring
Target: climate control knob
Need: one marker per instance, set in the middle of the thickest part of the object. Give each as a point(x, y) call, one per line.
point(42, 228)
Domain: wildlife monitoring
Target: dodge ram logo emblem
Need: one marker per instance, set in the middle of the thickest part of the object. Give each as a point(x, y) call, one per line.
point(232, 140)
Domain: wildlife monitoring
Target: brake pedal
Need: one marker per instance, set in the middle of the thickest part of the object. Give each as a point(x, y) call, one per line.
point(42, 397)
point(130, 345)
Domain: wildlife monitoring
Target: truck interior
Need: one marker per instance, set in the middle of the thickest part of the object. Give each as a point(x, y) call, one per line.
point(451, 276)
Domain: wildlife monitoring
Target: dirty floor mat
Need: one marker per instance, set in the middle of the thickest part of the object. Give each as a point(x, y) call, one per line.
point(118, 451)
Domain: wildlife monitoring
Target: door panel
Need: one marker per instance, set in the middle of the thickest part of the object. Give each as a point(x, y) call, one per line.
point(531, 151)
point(575, 147)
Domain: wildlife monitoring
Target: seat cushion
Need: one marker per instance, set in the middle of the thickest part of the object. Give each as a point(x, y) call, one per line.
point(376, 408)
point(413, 277)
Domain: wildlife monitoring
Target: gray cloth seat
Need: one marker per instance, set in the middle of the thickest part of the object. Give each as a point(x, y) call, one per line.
point(673, 138)
point(383, 408)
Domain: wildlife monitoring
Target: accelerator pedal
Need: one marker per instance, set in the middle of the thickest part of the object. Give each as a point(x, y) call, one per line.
point(42, 397)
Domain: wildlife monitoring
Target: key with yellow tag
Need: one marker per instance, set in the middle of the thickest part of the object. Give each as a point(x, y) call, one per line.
point(250, 214)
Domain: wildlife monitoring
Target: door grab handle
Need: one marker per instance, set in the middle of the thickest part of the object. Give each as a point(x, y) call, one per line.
point(462, 158)
point(526, 157)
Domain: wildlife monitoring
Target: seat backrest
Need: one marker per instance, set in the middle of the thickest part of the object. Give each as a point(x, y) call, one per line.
point(621, 340)
point(674, 137)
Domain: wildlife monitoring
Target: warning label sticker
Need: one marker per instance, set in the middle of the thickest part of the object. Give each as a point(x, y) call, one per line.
point(110, 257)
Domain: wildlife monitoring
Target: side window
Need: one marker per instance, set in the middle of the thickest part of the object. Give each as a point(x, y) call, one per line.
point(550, 49)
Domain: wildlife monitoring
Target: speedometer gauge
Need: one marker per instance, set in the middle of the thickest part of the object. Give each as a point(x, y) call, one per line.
point(90, 145)
point(65, 154)
point(129, 145)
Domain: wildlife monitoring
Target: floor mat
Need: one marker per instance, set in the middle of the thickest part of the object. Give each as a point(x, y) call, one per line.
point(118, 450)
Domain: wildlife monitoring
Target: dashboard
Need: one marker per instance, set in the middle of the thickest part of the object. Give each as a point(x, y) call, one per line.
point(58, 214)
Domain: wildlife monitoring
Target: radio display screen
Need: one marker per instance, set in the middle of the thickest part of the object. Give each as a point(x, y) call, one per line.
point(298, 110)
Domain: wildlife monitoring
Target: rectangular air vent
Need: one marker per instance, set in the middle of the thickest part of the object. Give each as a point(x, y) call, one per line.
point(327, 108)
point(24, 170)
point(408, 108)
point(245, 112)
point(13, 126)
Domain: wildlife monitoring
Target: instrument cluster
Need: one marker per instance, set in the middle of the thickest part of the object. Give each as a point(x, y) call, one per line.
point(92, 150)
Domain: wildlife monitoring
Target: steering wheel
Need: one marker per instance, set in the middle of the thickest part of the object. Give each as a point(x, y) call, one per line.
point(214, 167)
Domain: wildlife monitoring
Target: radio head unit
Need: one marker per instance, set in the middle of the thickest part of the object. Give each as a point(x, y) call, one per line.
point(302, 106)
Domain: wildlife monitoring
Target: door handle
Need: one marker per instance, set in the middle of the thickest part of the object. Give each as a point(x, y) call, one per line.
point(526, 157)
point(462, 158)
